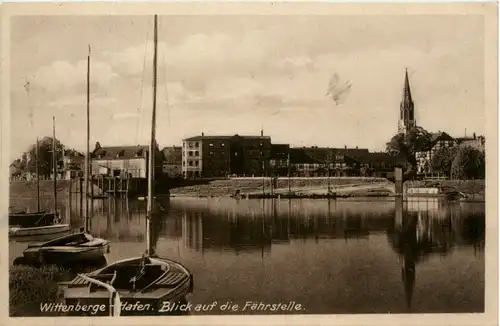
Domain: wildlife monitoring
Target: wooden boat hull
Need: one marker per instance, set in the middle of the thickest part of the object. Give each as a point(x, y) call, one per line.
point(40, 230)
point(61, 256)
point(67, 249)
point(158, 297)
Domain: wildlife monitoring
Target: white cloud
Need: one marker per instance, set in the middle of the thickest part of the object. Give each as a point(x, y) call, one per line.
point(63, 76)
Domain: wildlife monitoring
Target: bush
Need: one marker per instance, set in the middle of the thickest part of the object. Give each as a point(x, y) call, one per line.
point(29, 287)
point(469, 163)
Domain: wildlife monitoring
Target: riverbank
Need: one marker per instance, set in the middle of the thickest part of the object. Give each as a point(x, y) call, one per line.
point(300, 187)
point(474, 190)
point(29, 287)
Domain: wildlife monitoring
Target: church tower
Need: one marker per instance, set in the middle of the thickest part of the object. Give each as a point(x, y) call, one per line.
point(406, 109)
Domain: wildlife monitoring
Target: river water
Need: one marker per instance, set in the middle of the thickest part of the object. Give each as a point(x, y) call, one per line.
point(331, 257)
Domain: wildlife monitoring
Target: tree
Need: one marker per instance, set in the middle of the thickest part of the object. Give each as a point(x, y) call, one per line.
point(469, 163)
point(45, 164)
point(406, 145)
point(442, 159)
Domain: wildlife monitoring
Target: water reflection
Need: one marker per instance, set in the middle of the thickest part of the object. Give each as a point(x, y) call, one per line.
point(360, 257)
point(415, 229)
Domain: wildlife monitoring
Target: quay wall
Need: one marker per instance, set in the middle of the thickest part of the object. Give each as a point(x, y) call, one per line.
point(313, 185)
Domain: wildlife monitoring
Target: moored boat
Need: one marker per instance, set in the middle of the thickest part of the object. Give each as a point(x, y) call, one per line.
point(67, 249)
point(16, 231)
point(143, 280)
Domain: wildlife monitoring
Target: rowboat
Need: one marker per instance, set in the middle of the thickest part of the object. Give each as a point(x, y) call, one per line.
point(144, 280)
point(67, 249)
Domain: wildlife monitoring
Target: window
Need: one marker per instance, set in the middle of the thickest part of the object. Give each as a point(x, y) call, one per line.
point(236, 154)
point(183, 163)
point(222, 144)
point(197, 144)
point(211, 145)
point(196, 153)
point(261, 154)
point(190, 163)
point(211, 153)
point(196, 163)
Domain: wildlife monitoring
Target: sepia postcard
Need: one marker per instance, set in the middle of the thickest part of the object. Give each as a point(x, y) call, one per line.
point(253, 163)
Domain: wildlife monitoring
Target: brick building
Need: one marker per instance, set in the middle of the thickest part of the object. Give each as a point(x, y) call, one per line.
point(220, 156)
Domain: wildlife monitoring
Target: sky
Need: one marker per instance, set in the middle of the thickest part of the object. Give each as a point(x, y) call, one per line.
point(225, 75)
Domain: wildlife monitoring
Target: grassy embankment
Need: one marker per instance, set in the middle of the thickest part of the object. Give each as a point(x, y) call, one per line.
point(473, 189)
point(29, 287)
point(349, 186)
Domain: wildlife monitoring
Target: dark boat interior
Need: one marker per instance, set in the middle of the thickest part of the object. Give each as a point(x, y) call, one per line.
point(31, 219)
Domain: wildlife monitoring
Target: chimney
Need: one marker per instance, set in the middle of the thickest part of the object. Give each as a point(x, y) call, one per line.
point(345, 146)
point(474, 135)
point(356, 147)
point(97, 145)
point(262, 133)
point(202, 134)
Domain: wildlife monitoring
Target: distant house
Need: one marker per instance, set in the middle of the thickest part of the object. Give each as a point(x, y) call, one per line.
point(123, 161)
point(321, 161)
point(380, 164)
point(424, 154)
point(73, 164)
point(172, 161)
point(477, 142)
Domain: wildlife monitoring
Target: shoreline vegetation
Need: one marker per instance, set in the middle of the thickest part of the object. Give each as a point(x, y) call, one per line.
point(340, 187)
point(30, 286)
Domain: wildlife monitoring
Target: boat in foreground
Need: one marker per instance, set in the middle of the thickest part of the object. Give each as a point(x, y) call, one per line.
point(145, 281)
point(67, 249)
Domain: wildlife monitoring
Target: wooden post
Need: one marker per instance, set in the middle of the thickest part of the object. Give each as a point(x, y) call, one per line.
point(69, 195)
point(398, 176)
point(80, 190)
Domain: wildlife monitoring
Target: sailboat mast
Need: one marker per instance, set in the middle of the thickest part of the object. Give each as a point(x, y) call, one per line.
point(54, 162)
point(152, 145)
point(37, 176)
point(87, 154)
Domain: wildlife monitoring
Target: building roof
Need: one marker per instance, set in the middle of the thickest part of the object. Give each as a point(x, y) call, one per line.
point(172, 155)
point(72, 153)
point(120, 152)
point(225, 137)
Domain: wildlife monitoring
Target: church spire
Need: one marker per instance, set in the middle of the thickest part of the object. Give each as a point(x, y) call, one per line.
point(407, 91)
point(407, 114)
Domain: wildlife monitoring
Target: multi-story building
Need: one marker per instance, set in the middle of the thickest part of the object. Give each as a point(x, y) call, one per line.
point(123, 161)
point(220, 156)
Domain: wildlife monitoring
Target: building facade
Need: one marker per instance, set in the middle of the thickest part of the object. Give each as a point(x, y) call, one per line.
point(73, 164)
point(221, 156)
point(123, 161)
